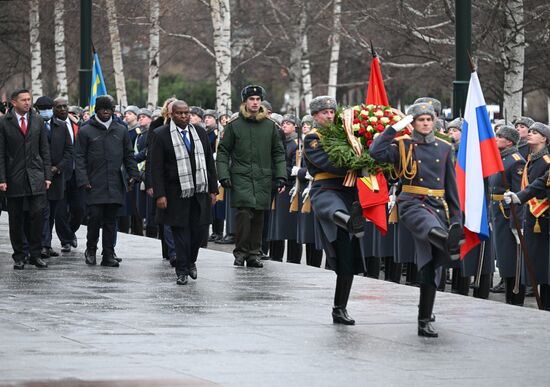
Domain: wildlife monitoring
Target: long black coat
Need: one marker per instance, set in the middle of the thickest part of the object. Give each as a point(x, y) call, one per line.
point(164, 172)
point(24, 160)
point(61, 152)
point(100, 156)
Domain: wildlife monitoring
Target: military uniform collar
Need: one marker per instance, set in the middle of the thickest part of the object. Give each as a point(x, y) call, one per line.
point(522, 142)
point(423, 139)
point(508, 151)
point(539, 154)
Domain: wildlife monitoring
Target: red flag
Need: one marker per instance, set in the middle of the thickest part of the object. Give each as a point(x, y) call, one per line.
point(373, 195)
point(376, 92)
point(373, 201)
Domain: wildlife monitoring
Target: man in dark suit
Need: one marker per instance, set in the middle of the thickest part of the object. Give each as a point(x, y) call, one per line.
point(61, 155)
point(102, 148)
point(70, 210)
point(25, 175)
point(184, 185)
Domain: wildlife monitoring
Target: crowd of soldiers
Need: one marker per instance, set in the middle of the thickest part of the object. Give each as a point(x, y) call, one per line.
point(293, 222)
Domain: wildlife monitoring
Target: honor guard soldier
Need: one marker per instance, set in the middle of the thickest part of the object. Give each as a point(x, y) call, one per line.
point(428, 202)
point(522, 125)
point(504, 242)
point(339, 219)
point(439, 124)
point(283, 222)
point(535, 194)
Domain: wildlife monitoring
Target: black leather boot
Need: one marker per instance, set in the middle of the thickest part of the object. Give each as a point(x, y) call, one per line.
point(438, 237)
point(341, 296)
point(354, 222)
point(425, 307)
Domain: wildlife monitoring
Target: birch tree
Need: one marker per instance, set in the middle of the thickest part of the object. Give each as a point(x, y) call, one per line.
point(295, 67)
point(513, 58)
point(335, 48)
point(36, 51)
point(220, 13)
point(306, 73)
point(118, 67)
point(154, 56)
point(60, 63)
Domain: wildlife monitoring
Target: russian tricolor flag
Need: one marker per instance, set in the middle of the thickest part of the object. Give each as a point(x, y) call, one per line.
point(478, 158)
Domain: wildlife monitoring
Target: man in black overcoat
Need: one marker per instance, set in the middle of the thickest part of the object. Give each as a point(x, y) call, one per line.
point(184, 186)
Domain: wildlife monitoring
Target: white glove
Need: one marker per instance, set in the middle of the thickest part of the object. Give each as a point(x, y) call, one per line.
point(294, 171)
point(309, 177)
point(401, 124)
point(305, 194)
point(510, 197)
point(292, 193)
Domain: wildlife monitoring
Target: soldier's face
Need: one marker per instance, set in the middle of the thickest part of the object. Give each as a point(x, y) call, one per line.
point(535, 138)
point(325, 117)
point(144, 120)
point(209, 121)
point(423, 124)
point(523, 130)
point(455, 134)
point(503, 143)
point(195, 119)
point(130, 117)
point(253, 104)
point(288, 127)
point(306, 128)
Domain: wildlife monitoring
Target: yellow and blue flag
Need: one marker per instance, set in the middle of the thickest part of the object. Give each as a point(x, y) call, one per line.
point(98, 83)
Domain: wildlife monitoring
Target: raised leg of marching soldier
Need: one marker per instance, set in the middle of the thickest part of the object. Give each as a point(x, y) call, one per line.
point(428, 204)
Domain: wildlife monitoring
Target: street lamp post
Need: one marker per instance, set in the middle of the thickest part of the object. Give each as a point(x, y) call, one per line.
point(85, 71)
point(463, 45)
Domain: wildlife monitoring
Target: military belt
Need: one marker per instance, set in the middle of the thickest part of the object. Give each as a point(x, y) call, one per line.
point(497, 197)
point(414, 189)
point(326, 175)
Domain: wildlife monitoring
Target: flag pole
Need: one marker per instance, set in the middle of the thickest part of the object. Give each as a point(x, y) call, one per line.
point(515, 218)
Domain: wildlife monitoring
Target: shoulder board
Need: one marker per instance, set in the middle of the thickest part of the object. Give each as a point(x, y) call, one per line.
point(443, 141)
point(314, 131)
point(547, 159)
point(517, 156)
point(138, 130)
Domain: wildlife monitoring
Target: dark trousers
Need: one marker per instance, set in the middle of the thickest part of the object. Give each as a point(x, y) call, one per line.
point(249, 227)
point(187, 241)
point(26, 220)
point(102, 216)
point(49, 218)
point(314, 256)
point(70, 212)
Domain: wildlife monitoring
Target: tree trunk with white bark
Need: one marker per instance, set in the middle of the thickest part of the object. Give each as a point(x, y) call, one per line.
point(36, 51)
point(513, 58)
point(220, 12)
point(154, 56)
point(295, 67)
point(306, 73)
point(60, 62)
point(118, 67)
point(335, 48)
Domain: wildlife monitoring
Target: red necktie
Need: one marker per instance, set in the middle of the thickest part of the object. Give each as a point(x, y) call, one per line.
point(23, 126)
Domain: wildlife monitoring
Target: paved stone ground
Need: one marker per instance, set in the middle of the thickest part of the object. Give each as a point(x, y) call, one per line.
point(247, 327)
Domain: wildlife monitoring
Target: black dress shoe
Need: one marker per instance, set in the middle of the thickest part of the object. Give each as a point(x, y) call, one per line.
point(254, 262)
point(20, 265)
point(90, 256)
point(109, 262)
point(182, 280)
point(173, 261)
point(38, 262)
point(264, 257)
point(193, 272)
point(239, 261)
point(74, 243)
point(214, 237)
point(66, 248)
point(340, 316)
point(425, 329)
point(116, 258)
point(52, 252)
point(456, 235)
point(227, 240)
point(44, 253)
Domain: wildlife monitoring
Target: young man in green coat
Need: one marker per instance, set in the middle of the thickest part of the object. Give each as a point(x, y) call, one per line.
point(250, 157)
